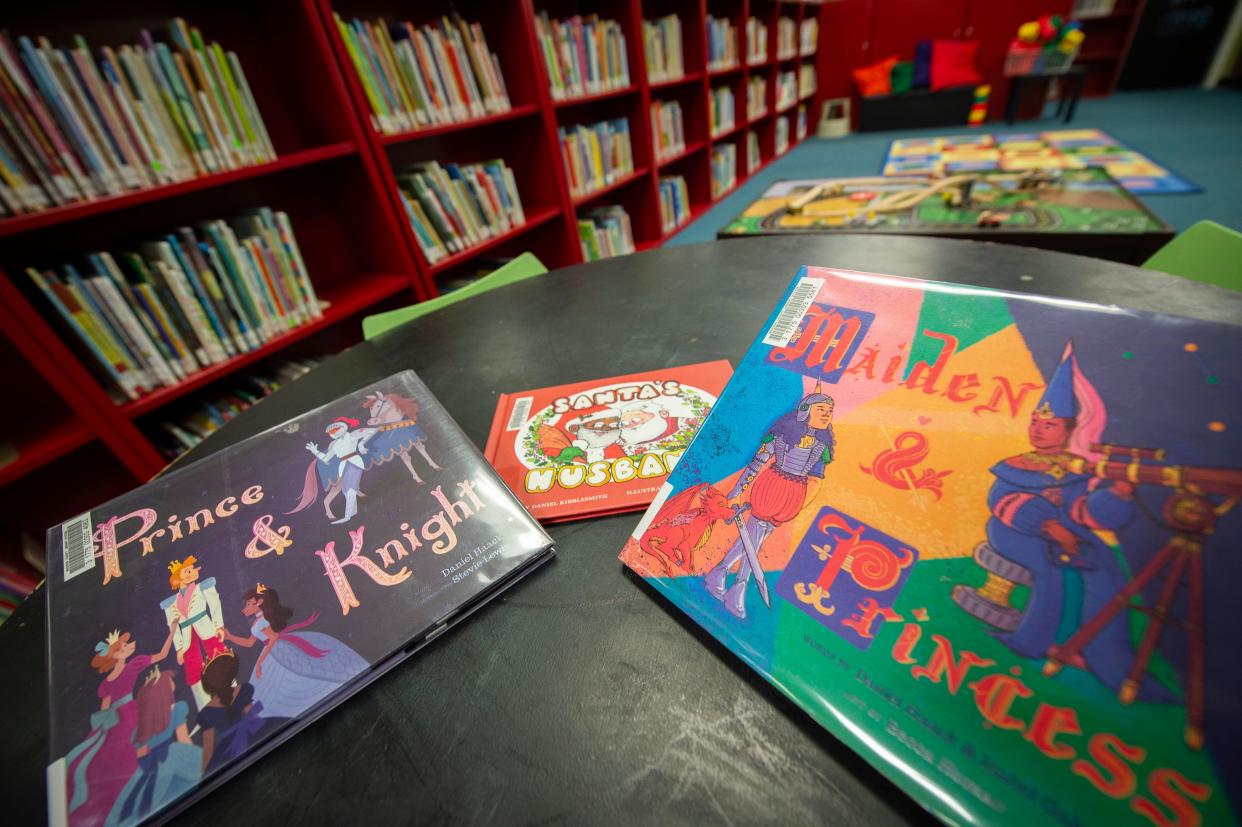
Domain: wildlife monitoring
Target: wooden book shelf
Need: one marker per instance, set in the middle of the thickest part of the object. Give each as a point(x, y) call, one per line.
point(335, 177)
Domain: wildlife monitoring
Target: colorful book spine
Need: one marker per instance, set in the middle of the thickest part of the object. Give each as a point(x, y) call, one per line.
point(809, 36)
point(720, 112)
point(721, 44)
point(453, 207)
point(596, 155)
point(674, 202)
point(782, 134)
point(756, 98)
point(806, 80)
point(662, 47)
point(786, 38)
point(786, 90)
point(756, 42)
point(76, 124)
point(724, 168)
point(605, 232)
point(416, 77)
point(183, 301)
point(668, 128)
point(583, 55)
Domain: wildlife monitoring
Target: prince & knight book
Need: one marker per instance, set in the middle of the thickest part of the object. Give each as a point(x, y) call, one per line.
point(200, 620)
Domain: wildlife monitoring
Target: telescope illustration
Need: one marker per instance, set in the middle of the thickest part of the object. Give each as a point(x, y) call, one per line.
point(1189, 514)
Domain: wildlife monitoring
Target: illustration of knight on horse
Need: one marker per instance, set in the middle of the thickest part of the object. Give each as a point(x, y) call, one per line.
point(390, 432)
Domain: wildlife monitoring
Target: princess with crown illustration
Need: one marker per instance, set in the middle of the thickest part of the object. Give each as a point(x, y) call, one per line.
point(169, 763)
point(196, 618)
point(100, 766)
point(232, 721)
point(296, 668)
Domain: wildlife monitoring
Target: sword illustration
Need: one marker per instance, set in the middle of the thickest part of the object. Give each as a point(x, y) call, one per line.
point(752, 554)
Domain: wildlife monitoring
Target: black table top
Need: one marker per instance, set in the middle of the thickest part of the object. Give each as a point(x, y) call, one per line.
point(580, 695)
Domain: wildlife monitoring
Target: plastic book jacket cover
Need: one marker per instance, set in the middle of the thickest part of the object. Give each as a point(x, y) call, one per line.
point(974, 535)
point(200, 620)
point(603, 446)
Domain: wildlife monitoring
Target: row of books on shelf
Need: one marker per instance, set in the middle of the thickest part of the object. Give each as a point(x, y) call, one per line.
point(605, 232)
point(800, 123)
point(752, 152)
point(786, 90)
point(786, 38)
point(756, 98)
point(756, 41)
point(724, 168)
point(674, 202)
point(596, 155)
point(454, 207)
point(720, 113)
point(186, 300)
point(809, 36)
point(212, 410)
point(421, 76)
point(806, 80)
point(662, 48)
point(667, 128)
point(583, 55)
point(721, 43)
point(782, 134)
point(76, 126)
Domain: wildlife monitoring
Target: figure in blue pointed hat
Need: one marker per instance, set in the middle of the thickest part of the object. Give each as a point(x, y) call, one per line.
point(1045, 517)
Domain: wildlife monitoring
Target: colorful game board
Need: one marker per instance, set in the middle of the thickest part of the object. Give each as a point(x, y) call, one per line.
point(1052, 150)
point(1074, 210)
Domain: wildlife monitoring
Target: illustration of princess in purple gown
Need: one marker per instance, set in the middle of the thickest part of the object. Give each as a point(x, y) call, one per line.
point(232, 721)
point(100, 766)
point(296, 668)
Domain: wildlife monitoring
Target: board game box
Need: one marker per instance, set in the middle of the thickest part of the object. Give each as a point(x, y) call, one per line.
point(603, 446)
point(1017, 151)
point(1079, 211)
point(202, 619)
point(986, 539)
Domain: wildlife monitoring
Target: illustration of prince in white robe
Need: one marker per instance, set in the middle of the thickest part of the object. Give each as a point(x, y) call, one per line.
point(196, 619)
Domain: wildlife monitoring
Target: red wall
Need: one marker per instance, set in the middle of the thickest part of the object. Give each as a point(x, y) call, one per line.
point(860, 32)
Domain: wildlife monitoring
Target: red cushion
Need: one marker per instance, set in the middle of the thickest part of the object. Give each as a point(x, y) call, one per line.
point(876, 78)
point(953, 64)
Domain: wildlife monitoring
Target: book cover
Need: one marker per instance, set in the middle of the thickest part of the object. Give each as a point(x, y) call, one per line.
point(985, 539)
point(197, 622)
point(603, 446)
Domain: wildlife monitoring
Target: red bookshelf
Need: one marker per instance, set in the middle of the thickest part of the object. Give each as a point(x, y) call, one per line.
point(335, 175)
point(67, 426)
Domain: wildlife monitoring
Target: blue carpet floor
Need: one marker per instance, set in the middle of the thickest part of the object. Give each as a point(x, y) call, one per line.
point(1193, 132)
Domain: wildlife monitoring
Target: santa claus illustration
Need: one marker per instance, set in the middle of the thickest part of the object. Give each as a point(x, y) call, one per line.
point(644, 425)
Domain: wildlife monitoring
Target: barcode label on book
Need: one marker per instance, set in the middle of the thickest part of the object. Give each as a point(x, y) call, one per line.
point(77, 546)
point(795, 308)
point(520, 413)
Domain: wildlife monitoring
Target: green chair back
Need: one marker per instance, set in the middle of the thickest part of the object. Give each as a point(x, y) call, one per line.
point(521, 268)
point(1207, 252)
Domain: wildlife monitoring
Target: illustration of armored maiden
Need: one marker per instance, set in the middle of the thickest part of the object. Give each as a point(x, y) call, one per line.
point(100, 766)
point(1044, 519)
point(195, 615)
point(296, 668)
point(795, 448)
point(232, 721)
point(169, 763)
point(392, 431)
